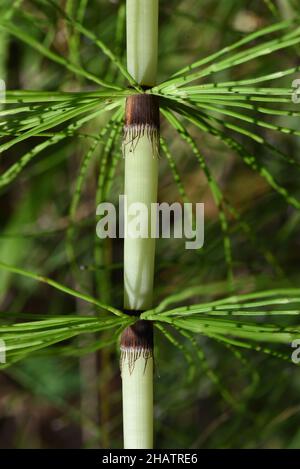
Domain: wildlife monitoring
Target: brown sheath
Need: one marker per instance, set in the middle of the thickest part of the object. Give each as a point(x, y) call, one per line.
point(142, 110)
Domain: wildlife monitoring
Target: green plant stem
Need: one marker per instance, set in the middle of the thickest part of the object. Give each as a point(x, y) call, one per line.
point(137, 389)
point(142, 40)
point(140, 149)
point(141, 172)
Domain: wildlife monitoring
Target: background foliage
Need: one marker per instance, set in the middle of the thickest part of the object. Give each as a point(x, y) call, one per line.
point(230, 139)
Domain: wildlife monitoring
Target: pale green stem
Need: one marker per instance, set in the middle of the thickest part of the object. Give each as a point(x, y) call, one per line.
point(141, 173)
point(140, 149)
point(142, 40)
point(137, 388)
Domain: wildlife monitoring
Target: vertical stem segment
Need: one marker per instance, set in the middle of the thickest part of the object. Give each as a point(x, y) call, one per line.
point(137, 385)
point(140, 149)
point(142, 40)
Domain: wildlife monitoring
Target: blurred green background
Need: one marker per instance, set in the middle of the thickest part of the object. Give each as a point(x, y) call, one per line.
point(61, 398)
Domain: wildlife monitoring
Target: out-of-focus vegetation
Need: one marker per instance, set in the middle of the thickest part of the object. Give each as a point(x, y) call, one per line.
point(69, 395)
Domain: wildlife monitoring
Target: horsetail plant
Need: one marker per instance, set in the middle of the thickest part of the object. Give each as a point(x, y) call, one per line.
point(141, 142)
point(237, 113)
